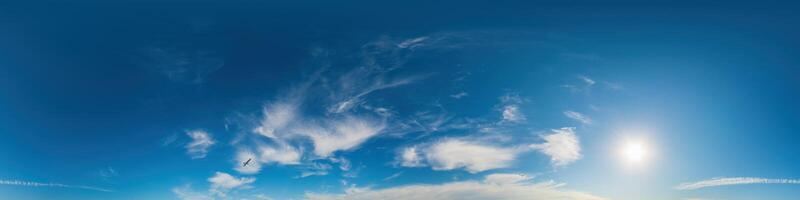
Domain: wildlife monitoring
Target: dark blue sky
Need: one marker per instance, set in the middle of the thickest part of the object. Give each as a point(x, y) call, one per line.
point(377, 100)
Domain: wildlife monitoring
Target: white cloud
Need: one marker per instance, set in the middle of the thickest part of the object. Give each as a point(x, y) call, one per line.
point(38, 184)
point(342, 95)
point(412, 43)
point(340, 135)
point(276, 124)
point(714, 182)
point(393, 176)
point(511, 113)
point(201, 142)
point(585, 85)
point(409, 157)
point(578, 117)
point(474, 157)
point(276, 117)
point(501, 178)
point(587, 80)
point(563, 146)
point(287, 130)
point(242, 156)
point(459, 95)
point(281, 154)
point(463, 190)
point(222, 182)
point(511, 108)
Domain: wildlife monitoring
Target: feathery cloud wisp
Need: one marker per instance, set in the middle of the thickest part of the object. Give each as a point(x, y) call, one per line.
point(276, 117)
point(339, 135)
point(38, 184)
point(201, 142)
point(578, 117)
point(502, 178)
point(459, 95)
point(412, 43)
point(714, 182)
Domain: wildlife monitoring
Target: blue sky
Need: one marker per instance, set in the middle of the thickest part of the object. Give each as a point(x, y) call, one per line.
point(411, 100)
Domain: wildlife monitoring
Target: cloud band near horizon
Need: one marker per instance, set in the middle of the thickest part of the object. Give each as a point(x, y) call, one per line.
point(37, 184)
point(714, 182)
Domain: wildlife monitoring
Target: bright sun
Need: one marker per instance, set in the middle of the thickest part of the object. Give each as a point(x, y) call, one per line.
point(634, 152)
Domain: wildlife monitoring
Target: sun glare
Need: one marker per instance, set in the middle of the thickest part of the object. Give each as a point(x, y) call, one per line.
point(634, 152)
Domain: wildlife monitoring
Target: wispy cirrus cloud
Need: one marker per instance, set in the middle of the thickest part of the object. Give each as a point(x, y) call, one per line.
point(344, 134)
point(315, 169)
point(502, 186)
point(338, 120)
point(585, 83)
point(578, 117)
point(505, 178)
point(714, 182)
point(201, 142)
point(459, 95)
point(393, 176)
point(39, 184)
point(412, 43)
point(333, 112)
point(351, 94)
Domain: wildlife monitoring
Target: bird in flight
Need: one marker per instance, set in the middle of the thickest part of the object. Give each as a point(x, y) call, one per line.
point(244, 164)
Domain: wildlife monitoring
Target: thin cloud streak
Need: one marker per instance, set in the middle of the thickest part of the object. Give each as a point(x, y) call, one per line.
point(714, 182)
point(37, 184)
point(578, 117)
